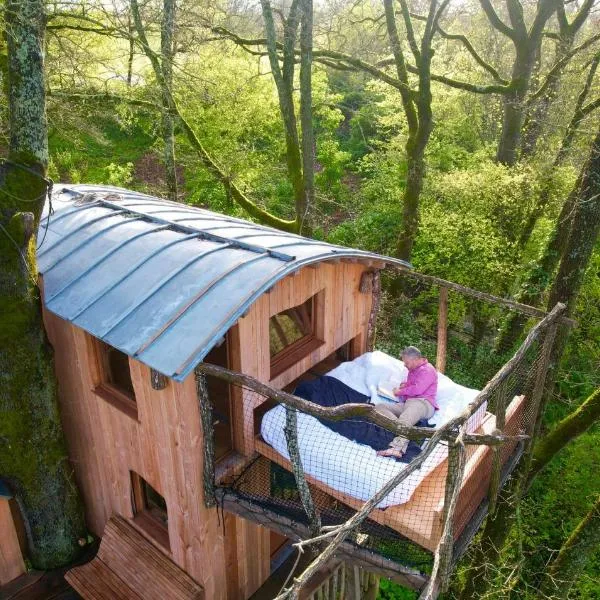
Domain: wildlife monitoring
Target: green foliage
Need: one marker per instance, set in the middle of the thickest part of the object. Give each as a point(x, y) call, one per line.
point(472, 210)
point(391, 591)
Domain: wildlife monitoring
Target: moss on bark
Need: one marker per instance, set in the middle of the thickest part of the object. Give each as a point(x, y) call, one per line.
point(33, 458)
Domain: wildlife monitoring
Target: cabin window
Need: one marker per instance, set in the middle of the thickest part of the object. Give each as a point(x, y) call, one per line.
point(115, 383)
point(293, 333)
point(149, 510)
point(219, 393)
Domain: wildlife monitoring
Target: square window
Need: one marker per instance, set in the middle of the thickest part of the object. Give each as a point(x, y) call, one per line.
point(294, 333)
point(114, 378)
point(149, 510)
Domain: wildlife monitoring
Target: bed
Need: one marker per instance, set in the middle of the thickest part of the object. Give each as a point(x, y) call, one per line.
point(354, 469)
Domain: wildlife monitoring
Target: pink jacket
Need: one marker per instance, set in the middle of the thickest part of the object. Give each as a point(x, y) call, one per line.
point(421, 383)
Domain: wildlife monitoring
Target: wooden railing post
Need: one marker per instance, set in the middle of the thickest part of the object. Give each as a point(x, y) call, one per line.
point(442, 330)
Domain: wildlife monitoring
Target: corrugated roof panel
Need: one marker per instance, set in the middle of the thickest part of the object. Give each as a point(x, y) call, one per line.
point(201, 278)
point(111, 272)
point(141, 283)
point(161, 281)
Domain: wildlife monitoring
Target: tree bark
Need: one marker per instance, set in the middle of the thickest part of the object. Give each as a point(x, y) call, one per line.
point(574, 555)
point(167, 54)
point(32, 451)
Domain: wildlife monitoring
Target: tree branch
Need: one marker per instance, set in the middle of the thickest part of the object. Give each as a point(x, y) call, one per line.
point(559, 66)
point(496, 21)
point(470, 48)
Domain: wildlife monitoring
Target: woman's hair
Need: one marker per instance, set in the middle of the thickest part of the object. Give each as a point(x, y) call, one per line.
point(411, 352)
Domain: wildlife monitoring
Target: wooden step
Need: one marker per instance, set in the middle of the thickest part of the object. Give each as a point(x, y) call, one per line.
point(128, 561)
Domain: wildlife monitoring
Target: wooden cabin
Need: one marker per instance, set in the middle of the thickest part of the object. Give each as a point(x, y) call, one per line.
point(138, 292)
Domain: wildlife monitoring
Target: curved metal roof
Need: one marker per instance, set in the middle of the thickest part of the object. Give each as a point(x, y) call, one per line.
point(161, 281)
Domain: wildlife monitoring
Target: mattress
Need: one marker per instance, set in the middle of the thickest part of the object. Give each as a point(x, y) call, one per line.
point(355, 469)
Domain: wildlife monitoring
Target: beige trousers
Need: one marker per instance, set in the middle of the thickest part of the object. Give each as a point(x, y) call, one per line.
point(407, 413)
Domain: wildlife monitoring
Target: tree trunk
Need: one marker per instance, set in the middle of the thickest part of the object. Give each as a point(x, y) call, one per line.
point(306, 111)
point(168, 121)
point(514, 105)
point(284, 81)
point(574, 555)
point(584, 233)
point(410, 202)
point(32, 451)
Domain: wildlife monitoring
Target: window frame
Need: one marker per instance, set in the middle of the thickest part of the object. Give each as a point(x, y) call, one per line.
point(142, 516)
point(104, 388)
point(296, 351)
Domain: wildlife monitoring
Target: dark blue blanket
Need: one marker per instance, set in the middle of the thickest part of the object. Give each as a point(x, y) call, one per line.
point(329, 391)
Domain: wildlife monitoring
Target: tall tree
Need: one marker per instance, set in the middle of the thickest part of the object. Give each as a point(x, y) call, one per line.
point(299, 156)
point(417, 108)
point(32, 451)
point(220, 174)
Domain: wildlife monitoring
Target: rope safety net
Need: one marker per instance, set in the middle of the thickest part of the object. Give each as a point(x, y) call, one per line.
point(288, 461)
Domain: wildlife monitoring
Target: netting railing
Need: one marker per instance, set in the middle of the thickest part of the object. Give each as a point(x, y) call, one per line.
point(307, 476)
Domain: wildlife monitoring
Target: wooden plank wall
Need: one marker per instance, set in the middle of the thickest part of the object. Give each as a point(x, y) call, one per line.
point(164, 444)
point(345, 316)
point(11, 559)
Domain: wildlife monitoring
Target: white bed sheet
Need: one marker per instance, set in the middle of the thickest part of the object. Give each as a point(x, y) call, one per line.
point(353, 468)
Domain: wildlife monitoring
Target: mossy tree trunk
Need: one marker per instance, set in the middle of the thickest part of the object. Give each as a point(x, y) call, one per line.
point(32, 452)
point(417, 108)
point(573, 557)
point(572, 426)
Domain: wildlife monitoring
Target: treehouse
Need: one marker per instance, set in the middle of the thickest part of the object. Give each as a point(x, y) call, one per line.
point(205, 364)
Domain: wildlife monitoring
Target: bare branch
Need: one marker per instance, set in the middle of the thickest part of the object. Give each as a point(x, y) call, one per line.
point(470, 48)
point(496, 21)
point(559, 66)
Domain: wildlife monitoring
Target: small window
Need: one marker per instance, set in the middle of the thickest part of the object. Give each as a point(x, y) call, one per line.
point(293, 334)
point(115, 383)
point(150, 510)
